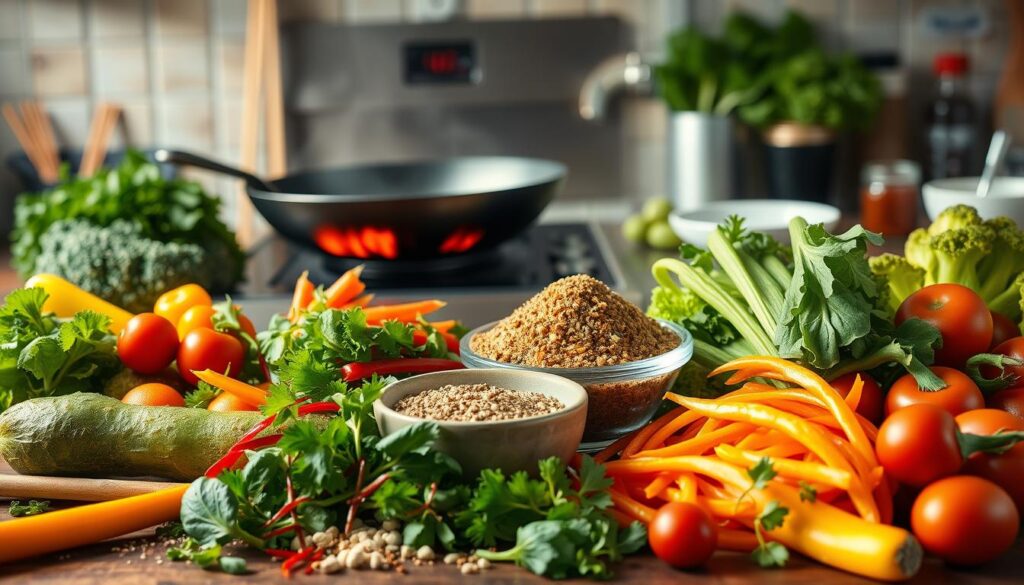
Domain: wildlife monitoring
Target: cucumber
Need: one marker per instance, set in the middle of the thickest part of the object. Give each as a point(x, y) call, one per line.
point(91, 435)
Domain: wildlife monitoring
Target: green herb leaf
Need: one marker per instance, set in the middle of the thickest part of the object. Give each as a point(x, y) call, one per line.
point(201, 396)
point(770, 555)
point(761, 473)
point(209, 512)
point(808, 493)
point(772, 516)
point(32, 508)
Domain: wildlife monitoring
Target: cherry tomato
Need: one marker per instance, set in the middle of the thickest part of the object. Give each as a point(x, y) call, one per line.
point(153, 394)
point(228, 402)
point(172, 304)
point(965, 520)
point(871, 399)
point(918, 444)
point(683, 535)
point(147, 344)
point(960, 394)
point(197, 317)
point(204, 349)
point(1011, 400)
point(958, 313)
point(1005, 470)
point(1003, 328)
point(1014, 348)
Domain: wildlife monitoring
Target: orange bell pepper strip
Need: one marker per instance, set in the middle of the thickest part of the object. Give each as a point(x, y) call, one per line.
point(63, 529)
point(247, 393)
point(698, 445)
point(639, 437)
point(732, 539)
point(799, 470)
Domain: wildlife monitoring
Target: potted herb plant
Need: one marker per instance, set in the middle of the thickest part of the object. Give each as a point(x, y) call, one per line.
point(807, 99)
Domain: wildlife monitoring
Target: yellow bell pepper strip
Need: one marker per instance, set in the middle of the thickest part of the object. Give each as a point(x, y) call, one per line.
point(814, 384)
point(797, 429)
point(245, 392)
point(65, 299)
point(799, 470)
point(63, 529)
point(657, 485)
point(698, 445)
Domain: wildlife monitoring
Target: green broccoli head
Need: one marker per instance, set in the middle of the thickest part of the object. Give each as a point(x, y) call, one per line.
point(898, 277)
point(957, 253)
point(955, 217)
point(684, 307)
point(918, 248)
point(118, 263)
point(998, 270)
point(1009, 301)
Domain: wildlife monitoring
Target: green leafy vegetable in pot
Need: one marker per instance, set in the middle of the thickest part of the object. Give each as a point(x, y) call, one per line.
point(165, 210)
point(116, 262)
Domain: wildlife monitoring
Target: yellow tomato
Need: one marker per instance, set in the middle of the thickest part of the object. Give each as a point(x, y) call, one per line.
point(197, 317)
point(228, 402)
point(172, 304)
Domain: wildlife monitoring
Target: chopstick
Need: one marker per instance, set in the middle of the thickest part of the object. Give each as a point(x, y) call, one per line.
point(277, 164)
point(104, 122)
point(76, 489)
point(252, 81)
point(35, 135)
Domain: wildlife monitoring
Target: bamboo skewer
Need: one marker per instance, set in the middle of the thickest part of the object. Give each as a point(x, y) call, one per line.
point(277, 165)
point(35, 134)
point(76, 489)
point(24, 139)
point(95, 152)
point(255, 52)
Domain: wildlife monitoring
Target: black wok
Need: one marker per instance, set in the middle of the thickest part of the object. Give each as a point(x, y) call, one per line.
point(407, 211)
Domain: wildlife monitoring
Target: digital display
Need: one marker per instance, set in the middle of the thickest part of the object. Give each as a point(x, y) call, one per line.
point(434, 62)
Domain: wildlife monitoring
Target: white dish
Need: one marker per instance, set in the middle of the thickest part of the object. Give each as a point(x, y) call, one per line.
point(1005, 198)
point(770, 216)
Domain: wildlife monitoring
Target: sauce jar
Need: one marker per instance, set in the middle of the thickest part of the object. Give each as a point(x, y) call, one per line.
point(888, 196)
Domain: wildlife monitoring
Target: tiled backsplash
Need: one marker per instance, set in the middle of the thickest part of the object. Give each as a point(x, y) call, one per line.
point(175, 65)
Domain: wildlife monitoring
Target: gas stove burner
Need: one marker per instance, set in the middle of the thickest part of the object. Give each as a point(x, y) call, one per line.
point(388, 270)
point(529, 262)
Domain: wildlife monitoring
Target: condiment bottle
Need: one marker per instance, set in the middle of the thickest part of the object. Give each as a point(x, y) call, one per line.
point(952, 133)
point(888, 196)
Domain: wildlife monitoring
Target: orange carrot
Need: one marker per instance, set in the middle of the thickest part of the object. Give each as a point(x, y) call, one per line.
point(444, 326)
point(301, 297)
point(347, 287)
point(736, 540)
point(245, 392)
point(631, 507)
point(35, 535)
point(406, 313)
point(360, 301)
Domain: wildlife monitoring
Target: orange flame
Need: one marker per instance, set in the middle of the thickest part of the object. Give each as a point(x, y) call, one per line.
point(360, 242)
point(461, 240)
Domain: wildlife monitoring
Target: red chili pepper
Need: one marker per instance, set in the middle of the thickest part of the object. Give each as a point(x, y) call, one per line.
point(225, 462)
point(279, 553)
point(258, 428)
point(279, 531)
point(361, 370)
point(319, 554)
point(420, 337)
point(318, 407)
point(285, 510)
point(295, 560)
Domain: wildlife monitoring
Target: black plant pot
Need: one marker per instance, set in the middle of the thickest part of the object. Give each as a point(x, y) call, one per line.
point(801, 162)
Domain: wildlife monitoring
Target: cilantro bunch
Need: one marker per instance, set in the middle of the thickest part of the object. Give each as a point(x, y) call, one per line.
point(41, 355)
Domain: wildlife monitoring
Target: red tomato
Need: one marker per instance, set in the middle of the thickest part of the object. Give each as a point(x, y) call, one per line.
point(958, 313)
point(1007, 469)
point(683, 535)
point(1011, 400)
point(1003, 328)
point(147, 344)
point(1011, 347)
point(918, 444)
point(204, 349)
point(965, 520)
point(228, 402)
point(871, 399)
point(960, 394)
point(153, 394)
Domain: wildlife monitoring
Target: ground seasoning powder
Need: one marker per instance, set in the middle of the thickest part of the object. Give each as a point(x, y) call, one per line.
point(476, 403)
point(576, 322)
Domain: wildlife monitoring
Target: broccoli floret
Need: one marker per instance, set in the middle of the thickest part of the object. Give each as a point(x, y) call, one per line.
point(998, 270)
point(954, 218)
point(1008, 302)
point(898, 279)
point(957, 253)
point(117, 263)
point(918, 248)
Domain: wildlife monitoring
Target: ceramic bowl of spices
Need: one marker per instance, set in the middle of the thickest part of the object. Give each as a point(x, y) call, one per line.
point(490, 418)
point(577, 328)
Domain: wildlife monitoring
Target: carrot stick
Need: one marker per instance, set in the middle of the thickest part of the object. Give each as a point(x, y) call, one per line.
point(406, 313)
point(698, 445)
point(659, 436)
point(360, 301)
point(444, 326)
point(631, 507)
point(800, 470)
point(613, 449)
point(639, 437)
point(658, 485)
point(63, 529)
point(347, 287)
point(853, 398)
point(245, 392)
point(736, 540)
point(301, 297)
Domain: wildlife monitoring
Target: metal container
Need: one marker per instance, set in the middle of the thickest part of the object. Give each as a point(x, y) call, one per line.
point(700, 163)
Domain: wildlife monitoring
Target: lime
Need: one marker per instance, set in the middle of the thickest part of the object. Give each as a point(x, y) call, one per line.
point(661, 236)
point(657, 209)
point(634, 229)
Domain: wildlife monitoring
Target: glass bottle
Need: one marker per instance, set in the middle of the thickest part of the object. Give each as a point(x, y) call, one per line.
point(951, 121)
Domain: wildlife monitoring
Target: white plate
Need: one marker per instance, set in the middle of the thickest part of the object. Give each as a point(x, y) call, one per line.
point(762, 215)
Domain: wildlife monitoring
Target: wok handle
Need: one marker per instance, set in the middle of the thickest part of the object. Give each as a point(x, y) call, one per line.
point(178, 157)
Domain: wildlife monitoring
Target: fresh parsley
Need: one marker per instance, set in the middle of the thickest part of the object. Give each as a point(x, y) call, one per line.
point(768, 554)
point(32, 508)
point(208, 557)
point(808, 493)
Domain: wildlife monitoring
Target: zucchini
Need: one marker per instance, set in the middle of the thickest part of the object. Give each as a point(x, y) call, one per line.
point(91, 435)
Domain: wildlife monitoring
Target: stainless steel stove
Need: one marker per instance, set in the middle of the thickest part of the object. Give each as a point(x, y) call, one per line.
point(479, 287)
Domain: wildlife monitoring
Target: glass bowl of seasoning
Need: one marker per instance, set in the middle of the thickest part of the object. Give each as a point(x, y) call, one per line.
point(490, 418)
point(579, 329)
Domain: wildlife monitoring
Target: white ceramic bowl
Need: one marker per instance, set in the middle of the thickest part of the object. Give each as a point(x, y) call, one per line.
point(1005, 198)
point(770, 216)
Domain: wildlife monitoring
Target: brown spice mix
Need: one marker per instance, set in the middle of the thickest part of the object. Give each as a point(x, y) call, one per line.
point(476, 403)
point(575, 322)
